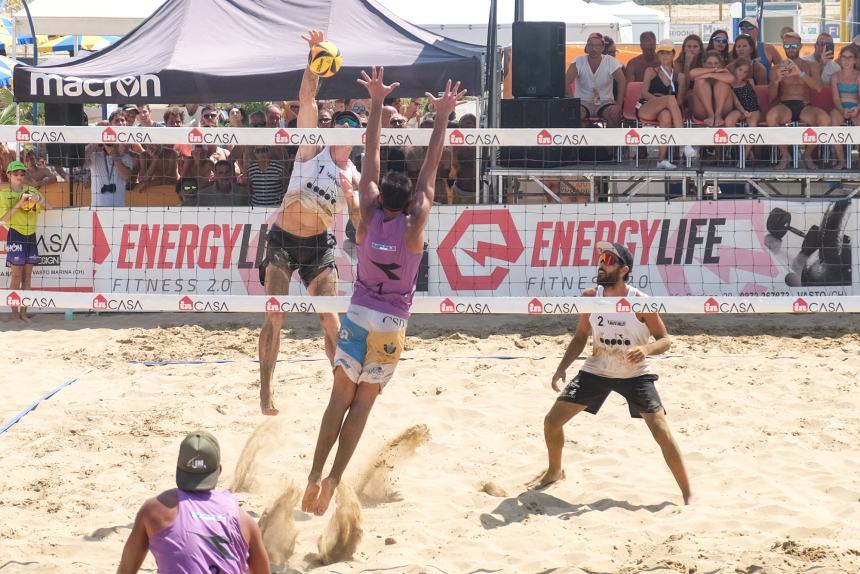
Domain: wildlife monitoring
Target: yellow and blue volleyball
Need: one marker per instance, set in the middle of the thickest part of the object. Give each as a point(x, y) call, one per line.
point(325, 60)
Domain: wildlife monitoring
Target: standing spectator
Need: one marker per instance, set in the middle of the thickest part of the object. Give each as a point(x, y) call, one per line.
point(790, 84)
point(647, 59)
point(823, 55)
point(593, 75)
point(236, 116)
point(159, 165)
point(719, 43)
point(223, 192)
point(712, 94)
point(464, 162)
point(324, 119)
point(131, 113)
point(20, 205)
point(110, 167)
point(174, 117)
point(413, 113)
point(195, 528)
point(144, 117)
point(266, 178)
point(415, 159)
point(37, 175)
point(744, 48)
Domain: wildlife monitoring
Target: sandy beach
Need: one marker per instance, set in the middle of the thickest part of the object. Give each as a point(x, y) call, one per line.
point(765, 410)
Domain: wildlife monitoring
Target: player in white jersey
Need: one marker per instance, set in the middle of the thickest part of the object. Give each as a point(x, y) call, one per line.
point(621, 343)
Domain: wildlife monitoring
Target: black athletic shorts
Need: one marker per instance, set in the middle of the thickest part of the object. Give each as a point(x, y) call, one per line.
point(591, 390)
point(310, 256)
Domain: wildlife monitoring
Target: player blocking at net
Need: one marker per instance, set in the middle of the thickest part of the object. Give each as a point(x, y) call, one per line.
point(390, 239)
point(323, 179)
point(621, 343)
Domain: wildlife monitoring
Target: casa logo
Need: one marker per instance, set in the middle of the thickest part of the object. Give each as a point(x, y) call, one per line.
point(197, 136)
point(126, 86)
point(801, 306)
point(26, 135)
point(632, 137)
point(722, 137)
point(108, 135)
point(544, 138)
point(712, 306)
point(547, 138)
point(189, 304)
point(448, 306)
point(457, 137)
point(811, 136)
point(283, 137)
point(393, 139)
point(648, 307)
point(15, 300)
point(538, 307)
point(102, 303)
point(623, 306)
point(276, 306)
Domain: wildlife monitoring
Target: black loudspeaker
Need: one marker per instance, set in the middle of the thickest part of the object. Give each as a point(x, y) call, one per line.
point(538, 59)
point(66, 155)
point(539, 113)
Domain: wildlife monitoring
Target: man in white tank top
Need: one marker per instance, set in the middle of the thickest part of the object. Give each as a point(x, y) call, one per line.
point(620, 347)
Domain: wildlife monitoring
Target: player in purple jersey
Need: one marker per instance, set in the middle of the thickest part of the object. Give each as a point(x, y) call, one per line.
point(390, 242)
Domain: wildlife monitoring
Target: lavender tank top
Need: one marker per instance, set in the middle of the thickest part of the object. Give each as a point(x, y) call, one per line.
point(386, 270)
point(205, 538)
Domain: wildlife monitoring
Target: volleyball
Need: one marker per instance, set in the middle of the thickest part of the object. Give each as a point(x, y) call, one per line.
point(325, 60)
point(28, 205)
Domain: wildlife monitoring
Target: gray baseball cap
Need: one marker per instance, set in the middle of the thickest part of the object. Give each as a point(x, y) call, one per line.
point(199, 463)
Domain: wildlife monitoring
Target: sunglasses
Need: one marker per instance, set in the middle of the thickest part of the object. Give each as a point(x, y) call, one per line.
point(210, 116)
point(791, 46)
point(347, 121)
point(325, 120)
point(608, 259)
point(746, 26)
point(721, 40)
point(398, 122)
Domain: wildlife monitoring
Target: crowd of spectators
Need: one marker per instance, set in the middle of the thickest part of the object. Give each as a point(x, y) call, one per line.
point(719, 84)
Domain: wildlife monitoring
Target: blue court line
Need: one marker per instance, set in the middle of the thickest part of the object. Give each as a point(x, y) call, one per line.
point(38, 401)
point(224, 361)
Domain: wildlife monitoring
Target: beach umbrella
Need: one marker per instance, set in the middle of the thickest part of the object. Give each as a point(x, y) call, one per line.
point(67, 43)
point(7, 64)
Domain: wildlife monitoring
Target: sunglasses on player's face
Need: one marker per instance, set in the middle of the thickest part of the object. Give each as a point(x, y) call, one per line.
point(608, 259)
point(347, 121)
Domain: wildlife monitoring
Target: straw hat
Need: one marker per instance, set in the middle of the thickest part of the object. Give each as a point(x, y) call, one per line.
point(666, 45)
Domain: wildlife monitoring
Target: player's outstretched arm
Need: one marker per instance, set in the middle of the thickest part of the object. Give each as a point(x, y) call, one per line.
point(308, 116)
point(368, 186)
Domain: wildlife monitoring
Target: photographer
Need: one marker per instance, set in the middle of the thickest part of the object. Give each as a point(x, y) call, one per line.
point(110, 167)
point(823, 55)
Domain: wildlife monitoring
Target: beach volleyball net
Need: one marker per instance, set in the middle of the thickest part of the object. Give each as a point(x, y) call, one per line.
point(692, 253)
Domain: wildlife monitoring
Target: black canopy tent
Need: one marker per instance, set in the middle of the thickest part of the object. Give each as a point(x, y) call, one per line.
point(251, 50)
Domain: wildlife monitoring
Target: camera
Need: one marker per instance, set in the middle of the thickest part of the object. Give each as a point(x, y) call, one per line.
point(109, 188)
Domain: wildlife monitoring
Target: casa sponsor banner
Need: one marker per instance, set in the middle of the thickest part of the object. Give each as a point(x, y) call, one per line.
point(703, 248)
point(191, 251)
point(537, 137)
point(124, 302)
point(65, 252)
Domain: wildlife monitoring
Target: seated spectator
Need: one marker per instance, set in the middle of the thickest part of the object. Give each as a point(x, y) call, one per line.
point(647, 59)
point(712, 93)
point(110, 167)
point(223, 192)
point(593, 75)
point(823, 55)
point(719, 43)
point(746, 108)
point(661, 100)
point(744, 48)
point(464, 164)
point(769, 56)
point(791, 84)
point(159, 165)
point(690, 58)
point(38, 174)
point(609, 47)
point(846, 96)
point(267, 179)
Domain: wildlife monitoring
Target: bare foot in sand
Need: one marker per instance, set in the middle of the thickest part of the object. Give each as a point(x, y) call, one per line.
point(327, 488)
point(688, 498)
point(547, 478)
point(312, 491)
point(267, 404)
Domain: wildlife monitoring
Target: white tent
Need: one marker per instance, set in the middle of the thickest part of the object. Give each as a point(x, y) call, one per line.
point(466, 20)
point(90, 17)
point(643, 18)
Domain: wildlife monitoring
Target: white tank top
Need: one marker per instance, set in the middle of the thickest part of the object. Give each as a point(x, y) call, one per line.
point(612, 335)
point(316, 184)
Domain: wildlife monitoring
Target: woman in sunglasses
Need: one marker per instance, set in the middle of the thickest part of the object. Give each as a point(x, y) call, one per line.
point(323, 181)
point(719, 43)
point(621, 343)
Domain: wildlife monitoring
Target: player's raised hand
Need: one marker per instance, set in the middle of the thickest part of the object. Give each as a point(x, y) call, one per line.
point(314, 37)
point(375, 85)
point(445, 104)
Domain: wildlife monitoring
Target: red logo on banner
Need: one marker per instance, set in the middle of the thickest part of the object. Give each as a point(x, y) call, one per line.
point(508, 251)
point(186, 304)
point(447, 306)
point(283, 137)
point(108, 135)
point(800, 305)
point(544, 138)
point(712, 306)
point(22, 134)
point(535, 306)
point(3, 237)
point(195, 136)
point(100, 302)
point(272, 304)
point(810, 136)
point(13, 300)
point(456, 138)
point(721, 137)
point(623, 306)
point(632, 138)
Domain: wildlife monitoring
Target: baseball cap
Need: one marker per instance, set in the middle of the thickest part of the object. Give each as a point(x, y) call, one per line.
point(665, 45)
point(346, 114)
point(199, 463)
point(130, 108)
point(15, 166)
point(749, 20)
point(618, 250)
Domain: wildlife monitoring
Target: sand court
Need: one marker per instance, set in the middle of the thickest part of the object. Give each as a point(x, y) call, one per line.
point(764, 409)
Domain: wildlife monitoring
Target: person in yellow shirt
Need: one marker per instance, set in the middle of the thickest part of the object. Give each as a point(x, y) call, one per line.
point(20, 206)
